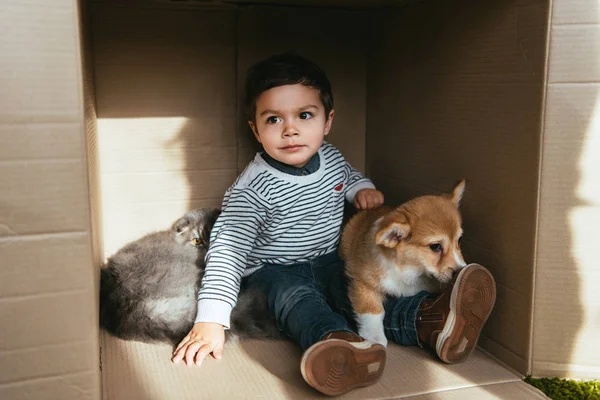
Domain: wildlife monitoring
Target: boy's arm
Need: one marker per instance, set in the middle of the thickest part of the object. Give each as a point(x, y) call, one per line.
point(235, 231)
point(236, 228)
point(356, 182)
point(360, 190)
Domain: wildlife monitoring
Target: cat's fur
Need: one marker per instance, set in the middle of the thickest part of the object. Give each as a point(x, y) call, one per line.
point(148, 288)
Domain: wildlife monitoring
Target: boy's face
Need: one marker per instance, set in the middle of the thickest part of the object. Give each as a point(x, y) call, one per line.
point(291, 123)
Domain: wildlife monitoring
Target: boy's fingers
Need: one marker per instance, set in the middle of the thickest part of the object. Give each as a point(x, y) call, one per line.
point(175, 359)
point(378, 200)
point(203, 352)
point(179, 354)
point(183, 342)
point(369, 199)
point(191, 352)
point(218, 351)
point(363, 202)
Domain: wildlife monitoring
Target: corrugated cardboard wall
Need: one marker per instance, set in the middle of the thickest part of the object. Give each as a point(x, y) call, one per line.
point(166, 105)
point(171, 134)
point(91, 133)
point(567, 300)
point(49, 332)
point(455, 90)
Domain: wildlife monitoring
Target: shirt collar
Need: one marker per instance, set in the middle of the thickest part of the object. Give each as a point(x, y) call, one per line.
point(311, 166)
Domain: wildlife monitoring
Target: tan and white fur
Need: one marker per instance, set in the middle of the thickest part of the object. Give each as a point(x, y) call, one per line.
point(399, 251)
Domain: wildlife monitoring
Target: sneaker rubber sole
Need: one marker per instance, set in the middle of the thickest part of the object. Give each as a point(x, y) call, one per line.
point(471, 303)
point(334, 366)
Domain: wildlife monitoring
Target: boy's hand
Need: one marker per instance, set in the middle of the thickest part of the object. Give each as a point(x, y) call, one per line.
point(368, 198)
point(204, 338)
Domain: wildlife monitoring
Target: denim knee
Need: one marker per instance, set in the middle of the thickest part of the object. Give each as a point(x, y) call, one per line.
point(287, 299)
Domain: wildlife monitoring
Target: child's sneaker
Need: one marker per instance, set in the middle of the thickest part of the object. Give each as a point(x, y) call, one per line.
point(452, 322)
point(342, 361)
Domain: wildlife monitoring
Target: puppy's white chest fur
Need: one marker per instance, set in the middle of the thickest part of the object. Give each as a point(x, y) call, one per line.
point(405, 281)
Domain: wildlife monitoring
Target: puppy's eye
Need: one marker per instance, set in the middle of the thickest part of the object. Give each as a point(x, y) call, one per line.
point(436, 247)
point(196, 241)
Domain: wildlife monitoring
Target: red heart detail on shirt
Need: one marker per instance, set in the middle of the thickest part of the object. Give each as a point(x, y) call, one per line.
point(338, 187)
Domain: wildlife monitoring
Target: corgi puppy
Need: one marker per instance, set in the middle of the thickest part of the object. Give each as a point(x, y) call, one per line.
point(400, 251)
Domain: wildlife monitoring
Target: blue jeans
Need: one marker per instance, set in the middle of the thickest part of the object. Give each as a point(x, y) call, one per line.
point(310, 300)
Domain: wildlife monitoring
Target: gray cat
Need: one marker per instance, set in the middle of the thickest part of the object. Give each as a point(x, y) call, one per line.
point(148, 288)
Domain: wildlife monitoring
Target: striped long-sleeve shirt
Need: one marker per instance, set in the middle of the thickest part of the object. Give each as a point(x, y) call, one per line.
point(270, 217)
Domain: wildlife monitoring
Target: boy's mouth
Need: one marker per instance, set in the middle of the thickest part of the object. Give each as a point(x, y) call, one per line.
point(292, 147)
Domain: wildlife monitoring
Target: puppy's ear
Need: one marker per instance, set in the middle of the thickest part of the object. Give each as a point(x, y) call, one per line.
point(394, 228)
point(458, 192)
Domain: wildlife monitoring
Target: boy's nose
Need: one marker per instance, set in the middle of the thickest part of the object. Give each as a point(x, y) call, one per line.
point(290, 130)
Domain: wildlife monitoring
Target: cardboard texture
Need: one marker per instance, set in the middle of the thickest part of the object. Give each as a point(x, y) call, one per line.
point(117, 117)
point(271, 370)
point(328, 3)
point(166, 114)
point(496, 391)
point(49, 344)
point(91, 136)
point(465, 102)
point(567, 302)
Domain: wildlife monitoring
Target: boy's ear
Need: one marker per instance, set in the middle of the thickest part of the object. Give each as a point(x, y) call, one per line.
point(329, 121)
point(254, 131)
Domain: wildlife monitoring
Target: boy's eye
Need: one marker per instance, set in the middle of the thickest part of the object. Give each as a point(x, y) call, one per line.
point(273, 120)
point(305, 115)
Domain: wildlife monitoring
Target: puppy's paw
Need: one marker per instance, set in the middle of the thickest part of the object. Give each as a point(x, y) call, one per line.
point(374, 337)
point(370, 327)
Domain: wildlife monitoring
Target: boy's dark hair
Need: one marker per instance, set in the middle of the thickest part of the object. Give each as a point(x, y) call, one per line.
point(285, 69)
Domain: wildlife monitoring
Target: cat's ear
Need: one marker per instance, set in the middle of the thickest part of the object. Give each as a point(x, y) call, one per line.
point(181, 226)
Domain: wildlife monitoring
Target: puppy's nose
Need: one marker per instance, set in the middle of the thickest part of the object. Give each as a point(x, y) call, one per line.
point(460, 263)
point(456, 270)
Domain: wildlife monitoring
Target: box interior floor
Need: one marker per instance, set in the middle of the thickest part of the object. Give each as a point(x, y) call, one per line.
point(426, 92)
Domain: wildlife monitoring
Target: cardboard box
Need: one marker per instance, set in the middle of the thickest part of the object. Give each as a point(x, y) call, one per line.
point(118, 116)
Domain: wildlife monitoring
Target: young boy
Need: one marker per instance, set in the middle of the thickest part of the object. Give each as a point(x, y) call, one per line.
point(280, 226)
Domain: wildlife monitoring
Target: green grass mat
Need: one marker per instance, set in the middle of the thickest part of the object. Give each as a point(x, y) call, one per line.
point(566, 389)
